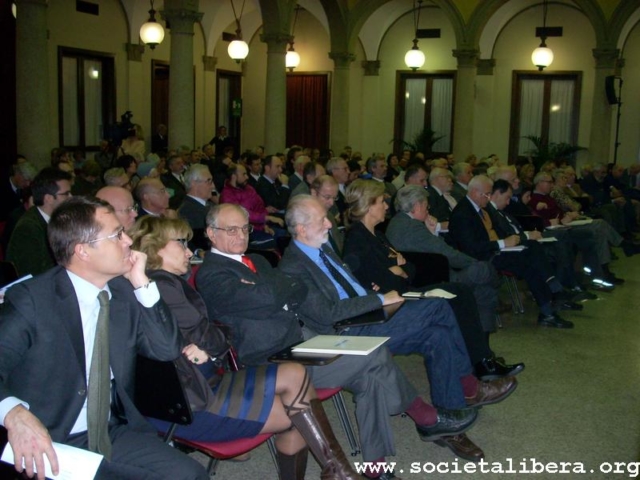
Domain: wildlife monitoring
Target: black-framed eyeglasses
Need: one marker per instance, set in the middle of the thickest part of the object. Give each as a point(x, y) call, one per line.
point(233, 231)
point(117, 235)
point(182, 241)
point(62, 194)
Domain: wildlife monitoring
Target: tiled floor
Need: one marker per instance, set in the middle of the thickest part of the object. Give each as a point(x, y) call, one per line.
point(578, 400)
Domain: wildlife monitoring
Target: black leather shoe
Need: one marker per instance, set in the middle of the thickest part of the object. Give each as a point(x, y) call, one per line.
point(491, 368)
point(555, 321)
point(611, 278)
point(602, 286)
point(462, 447)
point(581, 293)
point(450, 422)
point(629, 248)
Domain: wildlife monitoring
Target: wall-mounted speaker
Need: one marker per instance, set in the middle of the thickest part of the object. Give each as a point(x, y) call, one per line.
point(610, 89)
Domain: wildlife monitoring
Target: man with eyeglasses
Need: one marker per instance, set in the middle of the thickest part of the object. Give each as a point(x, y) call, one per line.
point(28, 247)
point(153, 198)
point(325, 189)
point(201, 195)
point(473, 232)
point(125, 209)
point(441, 202)
point(262, 306)
point(69, 340)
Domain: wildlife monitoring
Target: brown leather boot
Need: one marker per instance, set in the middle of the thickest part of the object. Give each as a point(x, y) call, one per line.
point(314, 427)
point(293, 467)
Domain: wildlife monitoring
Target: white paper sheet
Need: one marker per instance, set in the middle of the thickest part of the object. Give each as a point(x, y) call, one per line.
point(75, 463)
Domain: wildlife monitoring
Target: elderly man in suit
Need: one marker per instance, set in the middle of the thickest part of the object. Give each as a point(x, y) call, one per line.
point(325, 189)
point(412, 229)
point(261, 305)
point(173, 180)
point(124, 207)
point(69, 340)
point(201, 195)
point(462, 173)
point(28, 247)
point(441, 202)
point(473, 232)
point(428, 328)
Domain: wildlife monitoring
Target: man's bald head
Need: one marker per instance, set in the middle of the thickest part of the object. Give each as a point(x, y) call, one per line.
point(122, 202)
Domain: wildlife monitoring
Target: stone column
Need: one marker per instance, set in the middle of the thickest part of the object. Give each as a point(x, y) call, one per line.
point(275, 115)
point(340, 98)
point(34, 135)
point(181, 14)
point(600, 146)
point(465, 99)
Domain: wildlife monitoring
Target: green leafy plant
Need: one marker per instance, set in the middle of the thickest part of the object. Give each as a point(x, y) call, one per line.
point(545, 152)
point(423, 141)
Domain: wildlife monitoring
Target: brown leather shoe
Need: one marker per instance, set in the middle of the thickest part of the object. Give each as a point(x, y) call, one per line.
point(462, 447)
point(493, 391)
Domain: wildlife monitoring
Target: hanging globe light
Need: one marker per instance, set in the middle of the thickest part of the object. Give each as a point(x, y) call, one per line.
point(414, 58)
point(292, 60)
point(542, 56)
point(238, 50)
point(151, 32)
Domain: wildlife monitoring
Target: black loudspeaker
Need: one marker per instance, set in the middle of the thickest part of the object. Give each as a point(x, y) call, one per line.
point(610, 89)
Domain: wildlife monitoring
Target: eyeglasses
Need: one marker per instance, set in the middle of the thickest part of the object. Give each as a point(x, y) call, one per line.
point(329, 197)
point(62, 194)
point(486, 195)
point(161, 190)
point(182, 241)
point(131, 209)
point(233, 231)
point(117, 235)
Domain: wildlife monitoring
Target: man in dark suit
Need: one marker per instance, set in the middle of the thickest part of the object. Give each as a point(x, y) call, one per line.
point(471, 229)
point(28, 247)
point(221, 140)
point(297, 177)
point(153, 198)
point(428, 328)
point(441, 202)
point(254, 168)
point(69, 340)
point(325, 189)
point(337, 167)
point(462, 173)
point(12, 189)
point(173, 180)
point(200, 197)
point(272, 186)
point(261, 305)
point(160, 140)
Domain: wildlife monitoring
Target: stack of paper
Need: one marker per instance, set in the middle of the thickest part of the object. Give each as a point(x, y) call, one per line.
point(340, 344)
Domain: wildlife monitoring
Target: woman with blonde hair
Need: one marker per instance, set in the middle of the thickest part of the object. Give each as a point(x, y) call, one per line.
point(265, 399)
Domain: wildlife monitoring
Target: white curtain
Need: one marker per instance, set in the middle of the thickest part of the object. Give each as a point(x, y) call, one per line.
point(561, 111)
point(530, 113)
point(92, 102)
point(441, 108)
point(224, 115)
point(70, 121)
point(414, 105)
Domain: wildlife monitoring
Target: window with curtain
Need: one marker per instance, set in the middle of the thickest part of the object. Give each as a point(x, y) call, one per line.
point(308, 109)
point(545, 106)
point(86, 97)
point(425, 102)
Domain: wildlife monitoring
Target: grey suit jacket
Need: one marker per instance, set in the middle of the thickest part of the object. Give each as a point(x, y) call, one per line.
point(410, 235)
point(43, 357)
point(322, 306)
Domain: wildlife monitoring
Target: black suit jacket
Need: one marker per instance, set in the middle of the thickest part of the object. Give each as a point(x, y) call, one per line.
point(370, 258)
point(28, 247)
point(194, 213)
point(322, 306)
point(43, 358)
point(179, 192)
point(260, 308)
point(273, 194)
point(468, 232)
point(438, 205)
point(9, 200)
point(505, 224)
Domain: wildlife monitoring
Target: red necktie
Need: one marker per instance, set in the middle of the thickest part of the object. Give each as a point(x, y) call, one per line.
point(249, 263)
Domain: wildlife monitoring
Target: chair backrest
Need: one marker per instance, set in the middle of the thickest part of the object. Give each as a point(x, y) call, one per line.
point(272, 256)
point(159, 392)
point(430, 268)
